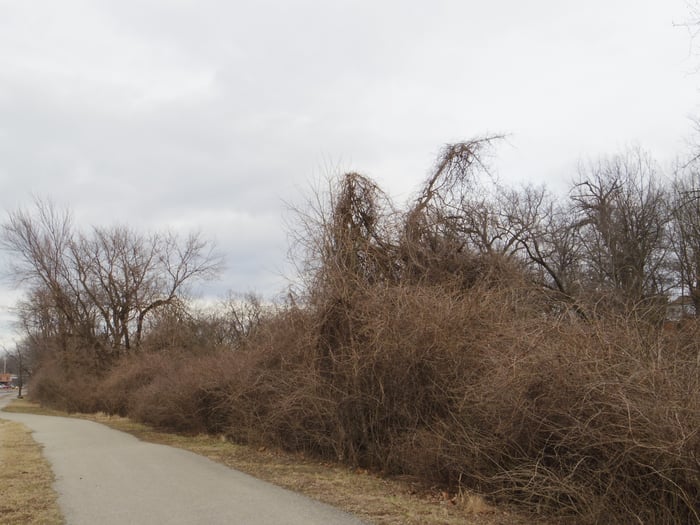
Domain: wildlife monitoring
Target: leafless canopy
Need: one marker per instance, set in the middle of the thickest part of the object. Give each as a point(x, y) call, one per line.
point(98, 288)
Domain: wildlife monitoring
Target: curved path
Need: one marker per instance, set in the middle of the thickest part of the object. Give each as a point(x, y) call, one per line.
point(108, 477)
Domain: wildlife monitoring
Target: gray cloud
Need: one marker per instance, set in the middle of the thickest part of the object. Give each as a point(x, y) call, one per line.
point(208, 115)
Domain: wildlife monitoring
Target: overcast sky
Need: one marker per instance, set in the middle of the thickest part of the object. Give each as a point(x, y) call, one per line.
point(208, 115)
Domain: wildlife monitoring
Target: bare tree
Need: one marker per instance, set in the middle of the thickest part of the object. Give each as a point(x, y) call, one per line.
point(545, 231)
point(98, 289)
point(455, 218)
point(345, 235)
point(241, 316)
point(22, 366)
point(40, 244)
point(622, 217)
point(685, 232)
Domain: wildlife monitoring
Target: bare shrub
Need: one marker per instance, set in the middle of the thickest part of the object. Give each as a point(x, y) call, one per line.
point(185, 394)
point(278, 396)
point(584, 421)
point(416, 350)
point(65, 385)
point(444, 363)
point(167, 403)
point(116, 391)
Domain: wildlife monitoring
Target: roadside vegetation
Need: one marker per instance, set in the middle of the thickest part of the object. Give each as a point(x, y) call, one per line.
point(480, 339)
point(26, 478)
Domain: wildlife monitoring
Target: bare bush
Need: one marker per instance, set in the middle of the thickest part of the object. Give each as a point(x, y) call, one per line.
point(586, 421)
point(70, 387)
point(422, 345)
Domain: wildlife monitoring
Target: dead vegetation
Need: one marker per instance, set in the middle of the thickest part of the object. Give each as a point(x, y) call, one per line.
point(461, 341)
point(25, 478)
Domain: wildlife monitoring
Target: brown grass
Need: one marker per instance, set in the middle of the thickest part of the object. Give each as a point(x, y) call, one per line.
point(25, 480)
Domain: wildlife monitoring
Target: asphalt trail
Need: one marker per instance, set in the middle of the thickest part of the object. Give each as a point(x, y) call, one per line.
point(107, 477)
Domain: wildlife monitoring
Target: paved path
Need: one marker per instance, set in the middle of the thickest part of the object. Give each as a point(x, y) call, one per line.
point(107, 477)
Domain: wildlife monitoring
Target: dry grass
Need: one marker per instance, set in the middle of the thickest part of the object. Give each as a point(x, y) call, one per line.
point(382, 501)
point(25, 478)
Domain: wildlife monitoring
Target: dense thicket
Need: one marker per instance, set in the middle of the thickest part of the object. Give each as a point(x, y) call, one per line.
point(485, 337)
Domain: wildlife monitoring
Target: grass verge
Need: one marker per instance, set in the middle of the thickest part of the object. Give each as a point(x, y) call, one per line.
point(374, 499)
point(25, 480)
